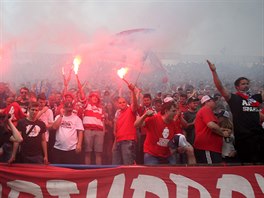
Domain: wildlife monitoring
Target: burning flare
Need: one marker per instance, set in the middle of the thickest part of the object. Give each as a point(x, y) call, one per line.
point(122, 72)
point(76, 63)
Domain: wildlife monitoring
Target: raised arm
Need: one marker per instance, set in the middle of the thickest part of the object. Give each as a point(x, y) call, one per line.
point(66, 82)
point(224, 92)
point(16, 135)
point(56, 124)
point(140, 120)
point(80, 88)
point(134, 104)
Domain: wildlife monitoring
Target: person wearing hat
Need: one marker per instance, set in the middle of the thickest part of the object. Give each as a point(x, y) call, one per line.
point(208, 134)
point(94, 129)
point(245, 108)
point(69, 136)
point(161, 129)
point(67, 97)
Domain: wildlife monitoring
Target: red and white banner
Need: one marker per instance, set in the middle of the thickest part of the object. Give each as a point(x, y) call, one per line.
point(24, 180)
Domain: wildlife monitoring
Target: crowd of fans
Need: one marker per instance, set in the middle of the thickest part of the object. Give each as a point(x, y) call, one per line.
point(148, 123)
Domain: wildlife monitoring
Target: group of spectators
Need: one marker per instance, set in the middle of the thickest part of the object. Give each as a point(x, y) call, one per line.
point(184, 124)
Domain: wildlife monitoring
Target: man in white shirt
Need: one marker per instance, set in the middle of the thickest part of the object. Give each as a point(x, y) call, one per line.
point(69, 136)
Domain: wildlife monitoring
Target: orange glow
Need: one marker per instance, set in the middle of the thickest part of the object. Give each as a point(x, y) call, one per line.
point(122, 72)
point(62, 71)
point(76, 63)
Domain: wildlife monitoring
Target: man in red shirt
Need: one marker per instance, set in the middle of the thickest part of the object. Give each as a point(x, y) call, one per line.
point(147, 105)
point(161, 128)
point(124, 148)
point(208, 135)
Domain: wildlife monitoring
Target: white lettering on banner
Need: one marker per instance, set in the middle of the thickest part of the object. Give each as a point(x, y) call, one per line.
point(118, 187)
point(18, 186)
point(229, 183)
point(146, 183)
point(92, 189)
point(260, 180)
point(183, 183)
point(62, 188)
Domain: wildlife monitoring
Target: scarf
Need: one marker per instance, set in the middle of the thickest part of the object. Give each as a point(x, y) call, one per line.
point(248, 97)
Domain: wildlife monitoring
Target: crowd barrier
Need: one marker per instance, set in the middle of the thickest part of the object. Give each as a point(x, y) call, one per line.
point(60, 180)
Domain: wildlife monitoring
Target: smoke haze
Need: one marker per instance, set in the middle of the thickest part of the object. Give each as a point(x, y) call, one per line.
point(33, 31)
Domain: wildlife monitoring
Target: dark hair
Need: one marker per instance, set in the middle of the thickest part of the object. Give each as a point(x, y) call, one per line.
point(157, 100)
point(147, 95)
point(33, 104)
point(167, 106)
point(183, 95)
point(237, 81)
point(25, 88)
point(42, 96)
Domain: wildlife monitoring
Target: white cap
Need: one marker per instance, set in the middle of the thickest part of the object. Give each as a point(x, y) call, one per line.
point(168, 99)
point(224, 114)
point(206, 98)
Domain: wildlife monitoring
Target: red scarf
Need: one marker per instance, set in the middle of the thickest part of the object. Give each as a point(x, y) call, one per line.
point(248, 97)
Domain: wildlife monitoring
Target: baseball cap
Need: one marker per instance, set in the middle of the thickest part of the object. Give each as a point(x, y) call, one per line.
point(168, 99)
point(68, 104)
point(178, 140)
point(224, 113)
point(206, 98)
point(192, 99)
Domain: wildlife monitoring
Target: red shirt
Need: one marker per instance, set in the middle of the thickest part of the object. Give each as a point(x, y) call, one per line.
point(205, 138)
point(158, 135)
point(125, 129)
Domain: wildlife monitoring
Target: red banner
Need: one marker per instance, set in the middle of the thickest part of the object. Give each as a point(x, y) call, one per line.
point(24, 180)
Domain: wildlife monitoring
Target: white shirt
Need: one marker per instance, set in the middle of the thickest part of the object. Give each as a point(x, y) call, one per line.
point(66, 134)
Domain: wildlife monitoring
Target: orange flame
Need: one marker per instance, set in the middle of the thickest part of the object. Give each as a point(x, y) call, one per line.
point(122, 72)
point(76, 63)
point(62, 70)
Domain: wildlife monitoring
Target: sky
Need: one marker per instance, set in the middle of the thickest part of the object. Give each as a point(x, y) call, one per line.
point(197, 27)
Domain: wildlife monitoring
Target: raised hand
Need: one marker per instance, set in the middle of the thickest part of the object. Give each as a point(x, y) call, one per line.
point(149, 113)
point(131, 87)
point(211, 65)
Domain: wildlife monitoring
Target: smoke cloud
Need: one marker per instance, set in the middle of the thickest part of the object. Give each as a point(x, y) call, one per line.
point(40, 37)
